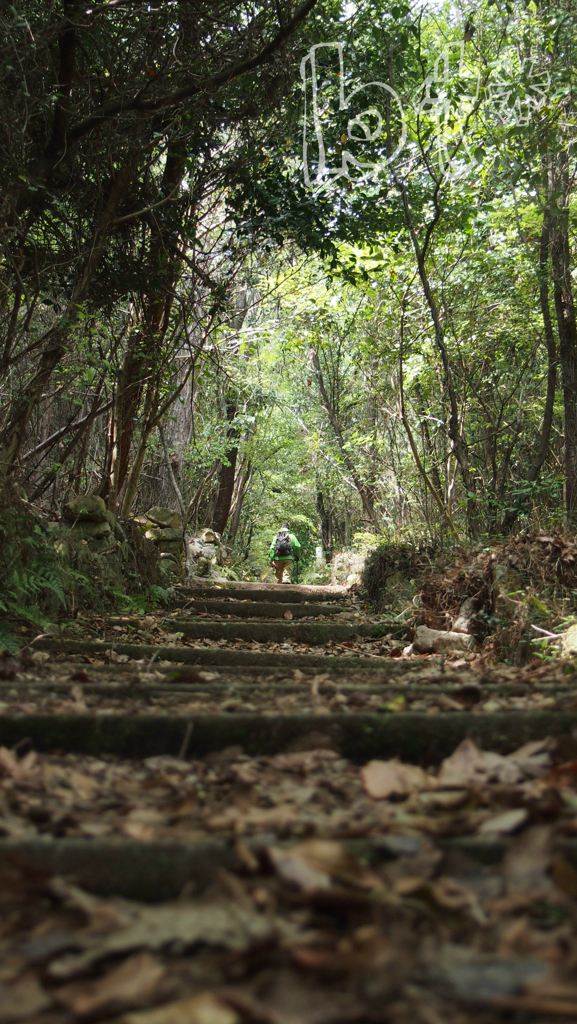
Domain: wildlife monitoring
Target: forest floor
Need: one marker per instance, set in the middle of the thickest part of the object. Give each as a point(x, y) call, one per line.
point(250, 809)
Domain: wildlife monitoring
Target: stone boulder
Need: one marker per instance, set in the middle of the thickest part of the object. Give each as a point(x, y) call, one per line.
point(88, 508)
point(462, 623)
point(160, 536)
point(434, 641)
point(205, 554)
point(165, 517)
point(210, 537)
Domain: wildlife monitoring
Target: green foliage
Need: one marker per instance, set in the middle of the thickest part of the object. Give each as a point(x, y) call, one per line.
point(8, 642)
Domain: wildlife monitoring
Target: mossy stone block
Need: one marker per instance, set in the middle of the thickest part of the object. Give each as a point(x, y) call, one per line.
point(88, 507)
point(91, 531)
point(171, 547)
point(164, 517)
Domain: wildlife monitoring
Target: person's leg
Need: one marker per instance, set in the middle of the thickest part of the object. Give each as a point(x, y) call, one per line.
point(288, 568)
point(278, 571)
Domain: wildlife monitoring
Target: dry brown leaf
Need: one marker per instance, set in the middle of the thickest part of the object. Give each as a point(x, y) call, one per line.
point(527, 861)
point(204, 1008)
point(154, 927)
point(466, 767)
point(86, 787)
point(131, 984)
point(444, 893)
point(306, 759)
point(22, 1000)
point(504, 824)
point(469, 766)
point(564, 776)
point(383, 779)
point(317, 863)
point(288, 615)
point(40, 657)
point(539, 1004)
point(18, 769)
point(564, 875)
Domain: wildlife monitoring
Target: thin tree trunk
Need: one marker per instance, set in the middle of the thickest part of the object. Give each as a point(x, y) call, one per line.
point(334, 422)
point(566, 328)
point(453, 426)
point(58, 338)
point(195, 500)
point(326, 526)
point(50, 476)
point(226, 474)
point(133, 478)
point(226, 477)
point(243, 486)
point(534, 468)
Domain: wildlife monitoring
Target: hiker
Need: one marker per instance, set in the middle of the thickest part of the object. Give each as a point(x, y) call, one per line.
point(285, 549)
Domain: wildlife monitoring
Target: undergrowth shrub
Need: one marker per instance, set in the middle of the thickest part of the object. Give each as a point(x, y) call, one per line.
point(47, 574)
point(34, 578)
point(388, 566)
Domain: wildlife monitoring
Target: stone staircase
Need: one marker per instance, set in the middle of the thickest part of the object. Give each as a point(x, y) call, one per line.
point(347, 704)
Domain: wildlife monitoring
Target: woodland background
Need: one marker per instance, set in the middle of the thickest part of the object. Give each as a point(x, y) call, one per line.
point(184, 323)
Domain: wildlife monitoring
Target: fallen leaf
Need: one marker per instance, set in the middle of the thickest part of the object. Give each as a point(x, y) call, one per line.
point(200, 1009)
point(527, 861)
point(18, 769)
point(305, 759)
point(40, 657)
point(154, 927)
point(471, 767)
point(383, 779)
point(317, 863)
point(466, 767)
point(23, 999)
point(288, 615)
point(504, 824)
point(564, 875)
point(117, 659)
point(443, 799)
point(564, 776)
point(131, 984)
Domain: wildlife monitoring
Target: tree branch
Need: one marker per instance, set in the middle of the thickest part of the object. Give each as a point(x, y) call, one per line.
point(209, 85)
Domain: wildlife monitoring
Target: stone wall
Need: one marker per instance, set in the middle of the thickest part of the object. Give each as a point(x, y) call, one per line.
point(90, 523)
point(163, 527)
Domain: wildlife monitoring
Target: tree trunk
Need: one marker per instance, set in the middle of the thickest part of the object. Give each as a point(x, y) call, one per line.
point(226, 477)
point(242, 488)
point(133, 478)
point(326, 526)
point(142, 366)
point(566, 328)
point(454, 431)
point(534, 468)
point(361, 486)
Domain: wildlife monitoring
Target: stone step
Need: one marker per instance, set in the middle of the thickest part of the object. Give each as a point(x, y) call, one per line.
point(285, 592)
point(217, 656)
point(276, 631)
point(136, 685)
point(159, 870)
point(412, 736)
point(258, 609)
point(397, 675)
point(314, 634)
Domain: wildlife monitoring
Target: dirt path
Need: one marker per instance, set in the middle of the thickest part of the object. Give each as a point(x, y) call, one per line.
point(339, 842)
